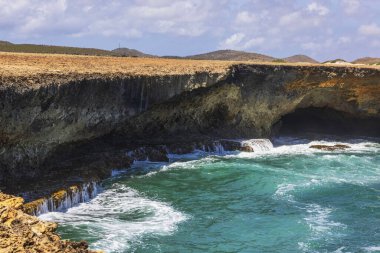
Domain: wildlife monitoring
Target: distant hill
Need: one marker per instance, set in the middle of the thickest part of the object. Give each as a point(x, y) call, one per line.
point(6, 46)
point(300, 58)
point(231, 55)
point(32, 48)
point(225, 55)
point(367, 60)
point(3, 42)
point(131, 52)
point(337, 61)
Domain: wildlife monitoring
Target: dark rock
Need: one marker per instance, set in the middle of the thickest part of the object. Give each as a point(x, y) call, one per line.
point(153, 154)
point(330, 148)
point(246, 149)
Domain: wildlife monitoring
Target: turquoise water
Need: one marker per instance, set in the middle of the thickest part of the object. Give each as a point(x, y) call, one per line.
point(288, 199)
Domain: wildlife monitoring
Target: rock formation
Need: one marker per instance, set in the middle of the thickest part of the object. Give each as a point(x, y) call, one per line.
point(56, 126)
point(330, 147)
point(67, 120)
point(20, 232)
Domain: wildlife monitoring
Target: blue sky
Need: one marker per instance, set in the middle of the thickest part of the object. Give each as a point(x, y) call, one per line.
point(323, 29)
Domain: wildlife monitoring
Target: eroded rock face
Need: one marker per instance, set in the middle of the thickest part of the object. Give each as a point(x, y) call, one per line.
point(20, 232)
point(39, 125)
point(253, 99)
point(76, 126)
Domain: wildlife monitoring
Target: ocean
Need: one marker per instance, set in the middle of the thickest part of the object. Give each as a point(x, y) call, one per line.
point(285, 198)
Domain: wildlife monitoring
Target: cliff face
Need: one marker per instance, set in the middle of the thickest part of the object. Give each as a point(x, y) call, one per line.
point(57, 126)
point(254, 99)
point(36, 123)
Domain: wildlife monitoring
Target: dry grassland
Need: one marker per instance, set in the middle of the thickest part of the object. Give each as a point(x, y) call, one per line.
point(34, 70)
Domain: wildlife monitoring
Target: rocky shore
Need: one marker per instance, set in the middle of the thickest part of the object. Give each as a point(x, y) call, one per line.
point(20, 232)
point(66, 121)
point(86, 126)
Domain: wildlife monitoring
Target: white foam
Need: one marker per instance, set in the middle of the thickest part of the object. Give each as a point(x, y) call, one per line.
point(258, 145)
point(294, 146)
point(319, 221)
point(283, 191)
point(103, 218)
point(372, 249)
point(71, 198)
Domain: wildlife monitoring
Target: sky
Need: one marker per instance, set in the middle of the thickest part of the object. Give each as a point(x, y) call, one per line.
point(322, 29)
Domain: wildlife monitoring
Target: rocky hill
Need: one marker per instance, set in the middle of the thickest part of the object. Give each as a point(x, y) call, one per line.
point(131, 53)
point(47, 49)
point(300, 58)
point(232, 55)
point(367, 60)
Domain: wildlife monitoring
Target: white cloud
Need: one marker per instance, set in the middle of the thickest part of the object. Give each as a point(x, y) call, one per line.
point(350, 6)
point(111, 18)
point(239, 41)
point(298, 20)
point(245, 17)
point(318, 8)
point(290, 18)
point(233, 42)
point(370, 30)
point(271, 26)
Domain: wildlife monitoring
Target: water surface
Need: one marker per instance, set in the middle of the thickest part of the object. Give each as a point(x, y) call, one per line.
point(287, 199)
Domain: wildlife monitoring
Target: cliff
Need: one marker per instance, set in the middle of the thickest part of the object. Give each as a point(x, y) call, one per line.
point(254, 101)
point(70, 118)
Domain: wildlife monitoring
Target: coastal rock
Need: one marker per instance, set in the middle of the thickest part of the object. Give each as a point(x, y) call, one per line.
point(20, 232)
point(72, 128)
point(247, 149)
point(330, 147)
point(153, 154)
point(63, 199)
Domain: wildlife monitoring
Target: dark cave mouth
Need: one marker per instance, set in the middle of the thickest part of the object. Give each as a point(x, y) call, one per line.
point(326, 121)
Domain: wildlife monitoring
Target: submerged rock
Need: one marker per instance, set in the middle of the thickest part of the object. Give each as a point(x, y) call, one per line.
point(20, 232)
point(330, 147)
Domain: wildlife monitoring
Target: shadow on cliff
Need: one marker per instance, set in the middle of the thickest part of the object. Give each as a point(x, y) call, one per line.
point(326, 121)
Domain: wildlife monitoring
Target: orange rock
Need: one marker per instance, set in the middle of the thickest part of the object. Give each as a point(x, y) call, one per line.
point(20, 232)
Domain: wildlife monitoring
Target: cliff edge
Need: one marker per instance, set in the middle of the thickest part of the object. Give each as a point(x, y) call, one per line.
point(69, 117)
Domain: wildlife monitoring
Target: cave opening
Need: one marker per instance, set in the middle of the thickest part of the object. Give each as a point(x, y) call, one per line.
point(326, 121)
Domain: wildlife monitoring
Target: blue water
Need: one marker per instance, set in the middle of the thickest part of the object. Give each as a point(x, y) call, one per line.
point(288, 199)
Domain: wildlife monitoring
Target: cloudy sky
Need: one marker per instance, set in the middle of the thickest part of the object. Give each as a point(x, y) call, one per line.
point(323, 29)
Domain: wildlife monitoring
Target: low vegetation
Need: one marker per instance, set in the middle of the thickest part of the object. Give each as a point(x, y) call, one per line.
point(34, 70)
point(44, 49)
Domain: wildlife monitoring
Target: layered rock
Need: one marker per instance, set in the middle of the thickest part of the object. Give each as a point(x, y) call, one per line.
point(254, 98)
point(63, 199)
point(86, 126)
point(20, 232)
point(39, 125)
